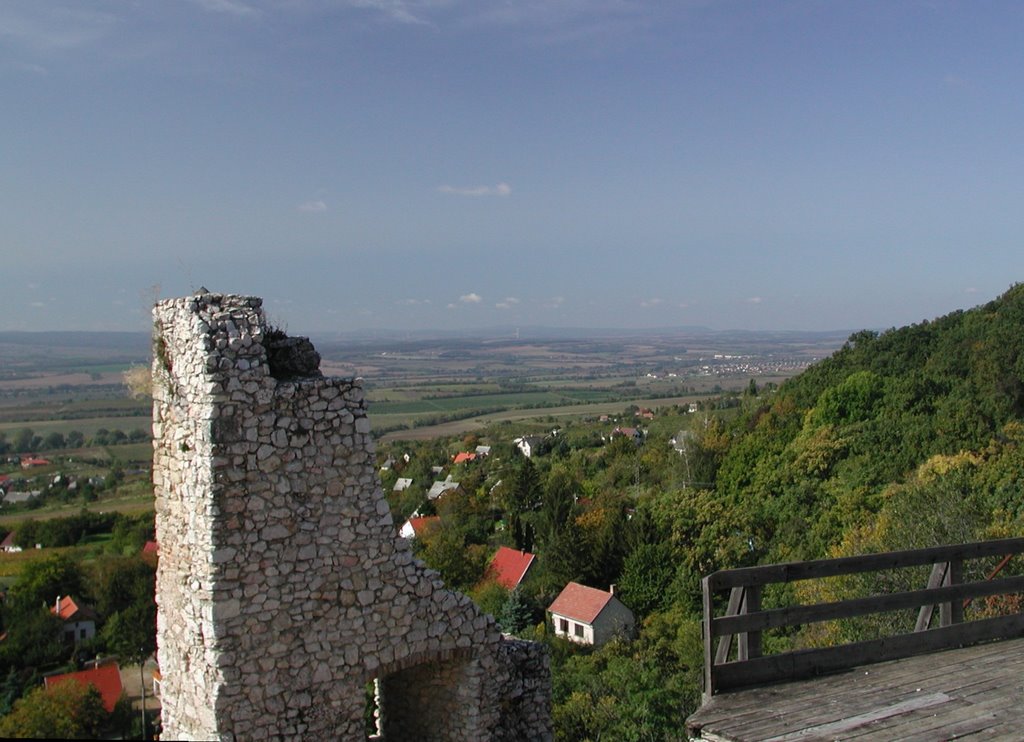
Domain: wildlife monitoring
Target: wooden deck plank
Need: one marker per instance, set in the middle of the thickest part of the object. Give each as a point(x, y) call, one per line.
point(983, 687)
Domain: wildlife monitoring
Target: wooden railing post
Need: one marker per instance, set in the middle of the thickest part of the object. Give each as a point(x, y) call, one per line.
point(936, 579)
point(952, 612)
point(749, 643)
point(709, 654)
point(725, 641)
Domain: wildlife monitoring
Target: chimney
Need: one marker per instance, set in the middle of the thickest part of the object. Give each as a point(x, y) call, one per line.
point(611, 589)
point(56, 605)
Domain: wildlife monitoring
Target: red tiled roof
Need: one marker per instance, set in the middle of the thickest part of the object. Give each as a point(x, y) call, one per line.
point(464, 456)
point(580, 602)
point(107, 680)
point(67, 609)
point(422, 524)
point(8, 541)
point(509, 566)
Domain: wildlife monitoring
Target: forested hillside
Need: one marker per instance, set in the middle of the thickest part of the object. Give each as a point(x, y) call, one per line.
point(915, 429)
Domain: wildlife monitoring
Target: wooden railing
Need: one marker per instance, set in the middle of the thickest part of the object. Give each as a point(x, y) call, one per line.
point(745, 620)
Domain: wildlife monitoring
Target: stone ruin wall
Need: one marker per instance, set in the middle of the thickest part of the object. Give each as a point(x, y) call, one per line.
point(282, 586)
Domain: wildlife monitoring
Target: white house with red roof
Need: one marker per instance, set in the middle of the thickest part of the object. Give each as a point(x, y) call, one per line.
point(509, 566)
point(416, 526)
point(79, 621)
point(105, 678)
point(27, 462)
point(590, 616)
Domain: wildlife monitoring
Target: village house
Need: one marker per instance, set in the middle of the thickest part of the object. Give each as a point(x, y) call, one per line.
point(8, 546)
point(635, 434)
point(29, 462)
point(590, 616)
point(438, 489)
point(79, 621)
point(464, 457)
point(105, 678)
point(483, 451)
point(416, 526)
point(402, 484)
point(528, 444)
point(509, 567)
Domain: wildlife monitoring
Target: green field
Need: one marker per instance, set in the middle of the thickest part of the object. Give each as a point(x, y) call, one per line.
point(86, 426)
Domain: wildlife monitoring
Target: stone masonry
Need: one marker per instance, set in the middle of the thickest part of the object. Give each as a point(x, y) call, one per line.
point(285, 597)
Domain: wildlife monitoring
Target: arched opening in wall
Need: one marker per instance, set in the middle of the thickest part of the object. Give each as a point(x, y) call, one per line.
point(373, 723)
point(425, 698)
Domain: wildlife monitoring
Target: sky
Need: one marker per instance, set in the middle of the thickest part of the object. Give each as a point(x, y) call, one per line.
point(455, 164)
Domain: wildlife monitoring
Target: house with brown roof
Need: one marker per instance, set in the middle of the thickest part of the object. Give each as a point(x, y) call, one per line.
point(509, 567)
point(105, 678)
point(417, 526)
point(7, 545)
point(464, 457)
point(590, 616)
point(79, 621)
point(27, 462)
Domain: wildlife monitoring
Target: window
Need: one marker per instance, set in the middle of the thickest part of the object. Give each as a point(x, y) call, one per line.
point(577, 629)
point(563, 625)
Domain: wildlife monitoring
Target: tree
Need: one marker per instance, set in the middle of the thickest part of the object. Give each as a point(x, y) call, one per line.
point(646, 576)
point(523, 492)
point(516, 613)
point(22, 442)
point(68, 710)
point(41, 582)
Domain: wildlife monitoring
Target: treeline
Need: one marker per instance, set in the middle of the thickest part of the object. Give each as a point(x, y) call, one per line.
point(28, 441)
point(129, 534)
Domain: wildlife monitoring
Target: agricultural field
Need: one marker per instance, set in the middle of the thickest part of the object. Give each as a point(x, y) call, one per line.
point(70, 385)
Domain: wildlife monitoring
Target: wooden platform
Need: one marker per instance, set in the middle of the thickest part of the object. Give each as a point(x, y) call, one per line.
point(974, 693)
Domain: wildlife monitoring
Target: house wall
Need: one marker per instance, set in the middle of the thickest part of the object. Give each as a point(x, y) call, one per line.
point(615, 620)
point(282, 588)
point(570, 632)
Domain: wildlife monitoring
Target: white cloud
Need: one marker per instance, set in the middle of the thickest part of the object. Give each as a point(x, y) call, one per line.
point(554, 302)
point(312, 207)
point(397, 10)
point(501, 189)
point(38, 304)
point(507, 303)
point(48, 28)
point(471, 298)
point(414, 302)
point(229, 7)
point(652, 302)
point(971, 290)
point(754, 300)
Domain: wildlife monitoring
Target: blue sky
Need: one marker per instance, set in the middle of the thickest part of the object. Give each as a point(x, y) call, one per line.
point(471, 163)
